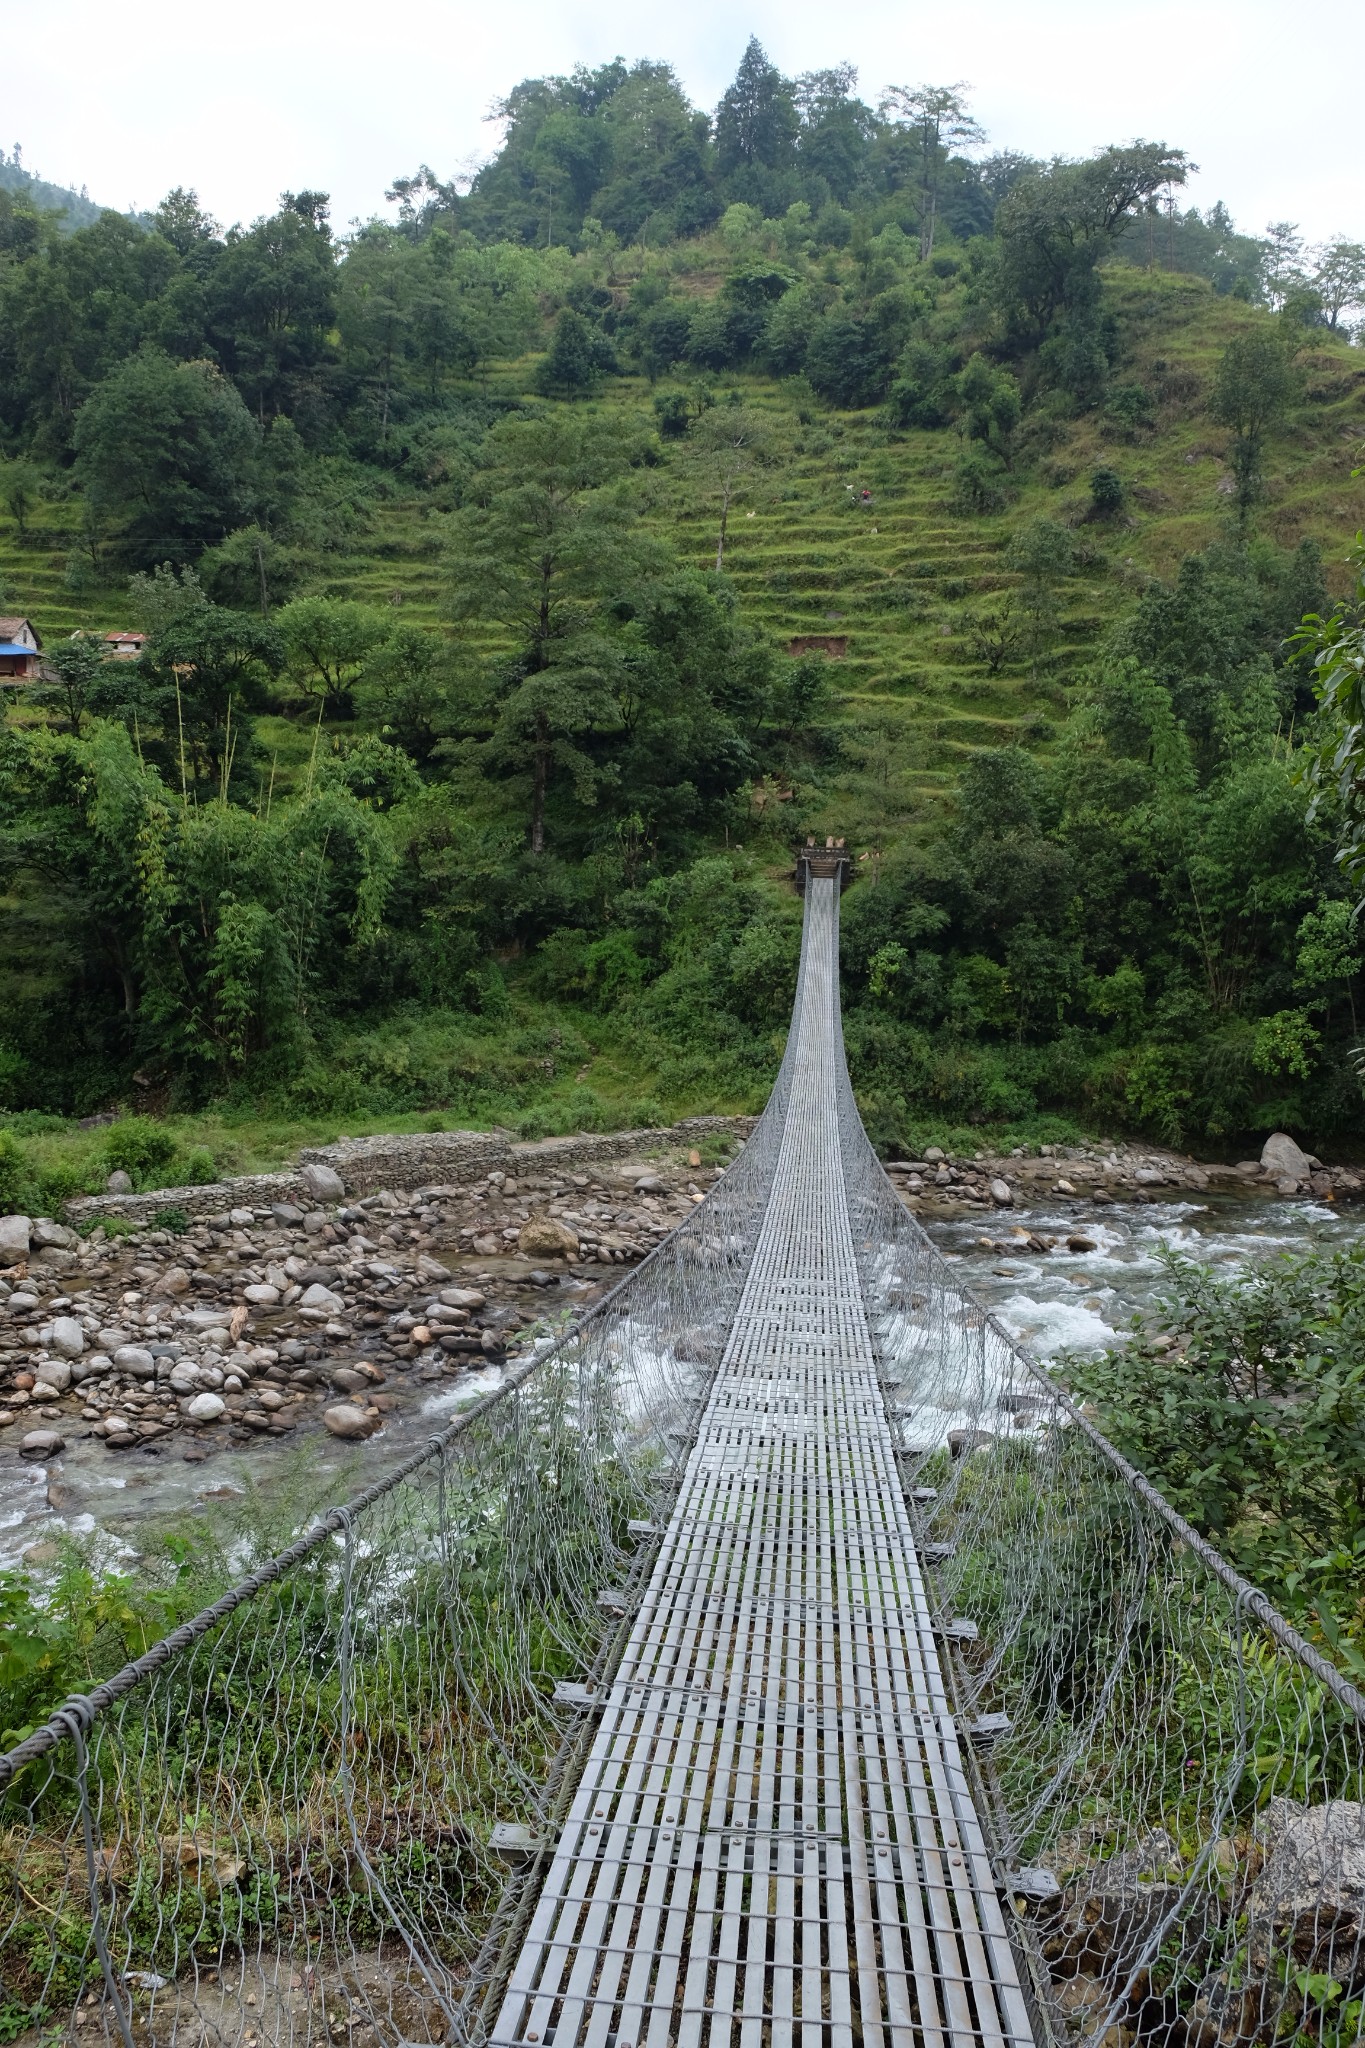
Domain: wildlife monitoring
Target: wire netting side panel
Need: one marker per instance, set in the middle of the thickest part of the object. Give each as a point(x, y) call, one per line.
point(1175, 1795)
point(301, 1825)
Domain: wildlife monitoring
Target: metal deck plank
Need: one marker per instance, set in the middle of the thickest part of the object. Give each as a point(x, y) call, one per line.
point(773, 1840)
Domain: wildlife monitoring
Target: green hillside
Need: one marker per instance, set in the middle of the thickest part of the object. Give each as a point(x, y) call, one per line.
point(455, 781)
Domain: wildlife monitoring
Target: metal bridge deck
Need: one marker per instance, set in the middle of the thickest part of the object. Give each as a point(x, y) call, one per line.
point(773, 1841)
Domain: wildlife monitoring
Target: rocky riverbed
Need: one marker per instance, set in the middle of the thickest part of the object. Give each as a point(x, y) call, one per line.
point(124, 1356)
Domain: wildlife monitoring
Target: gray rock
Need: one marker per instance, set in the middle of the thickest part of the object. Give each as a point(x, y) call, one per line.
point(118, 1183)
point(46, 1232)
point(206, 1407)
point(137, 1363)
point(15, 1233)
point(67, 1338)
point(184, 1378)
point(241, 1219)
point(322, 1183)
point(934, 1155)
point(1281, 1157)
point(175, 1280)
point(321, 1297)
point(41, 1443)
point(346, 1420)
point(91, 1367)
point(262, 1295)
point(463, 1297)
point(1311, 1887)
point(54, 1373)
point(287, 1214)
point(1001, 1194)
point(649, 1184)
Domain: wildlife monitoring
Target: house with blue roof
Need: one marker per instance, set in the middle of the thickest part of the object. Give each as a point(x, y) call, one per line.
point(20, 652)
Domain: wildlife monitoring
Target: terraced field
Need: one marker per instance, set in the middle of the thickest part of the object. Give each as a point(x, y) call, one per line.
point(896, 581)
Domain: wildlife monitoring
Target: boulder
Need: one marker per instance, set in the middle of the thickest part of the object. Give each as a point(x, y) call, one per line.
point(545, 1238)
point(261, 1294)
point(287, 1214)
point(175, 1280)
point(1001, 1194)
point(41, 1443)
point(205, 1407)
point(133, 1360)
point(1283, 1160)
point(118, 1183)
point(1081, 1244)
point(348, 1379)
point(346, 1420)
point(67, 1338)
point(320, 1297)
point(54, 1374)
point(47, 1233)
point(649, 1184)
point(185, 1378)
point(463, 1297)
point(1309, 1898)
point(322, 1183)
point(15, 1235)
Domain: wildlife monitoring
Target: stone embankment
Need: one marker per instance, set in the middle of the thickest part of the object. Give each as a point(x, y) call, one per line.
point(323, 1303)
point(1112, 1173)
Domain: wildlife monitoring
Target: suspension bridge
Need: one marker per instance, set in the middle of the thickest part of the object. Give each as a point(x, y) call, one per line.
point(695, 1689)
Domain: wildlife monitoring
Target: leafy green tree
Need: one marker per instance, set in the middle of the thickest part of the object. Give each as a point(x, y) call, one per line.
point(272, 296)
point(167, 452)
point(1055, 224)
point(570, 369)
point(1334, 646)
point(991, 404)
point(836, 130)
point(251, 567)
point(205, 672)
point(1255, 384)
point(539, 543)
point(1339, 277)
point(208, 932)
point(21, 487)
point(726, 453)
point(939, 120)
point(77, 682)
point(327, 643)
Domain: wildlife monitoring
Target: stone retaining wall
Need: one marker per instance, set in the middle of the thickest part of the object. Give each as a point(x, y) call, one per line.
point(423, 1158)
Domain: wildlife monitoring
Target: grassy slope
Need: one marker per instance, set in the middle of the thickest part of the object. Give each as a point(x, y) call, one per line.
point(898, 578)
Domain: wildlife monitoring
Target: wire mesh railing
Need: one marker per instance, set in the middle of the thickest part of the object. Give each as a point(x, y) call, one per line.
point(1172, 1776)
point(295, 1819)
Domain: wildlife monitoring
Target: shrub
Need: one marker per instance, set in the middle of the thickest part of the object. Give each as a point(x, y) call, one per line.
point(171, 1219)
point(978, 483)
point(140, 1147)
point(1106, 492)
point(16, 1181)
point(200, 1168)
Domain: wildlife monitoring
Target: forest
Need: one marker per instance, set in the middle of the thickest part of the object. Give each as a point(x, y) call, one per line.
point(521, 573)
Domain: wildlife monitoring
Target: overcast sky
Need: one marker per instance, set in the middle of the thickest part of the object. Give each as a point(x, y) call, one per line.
point(245, 100)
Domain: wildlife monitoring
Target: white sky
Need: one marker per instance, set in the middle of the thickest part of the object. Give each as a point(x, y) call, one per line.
point(247, 99)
